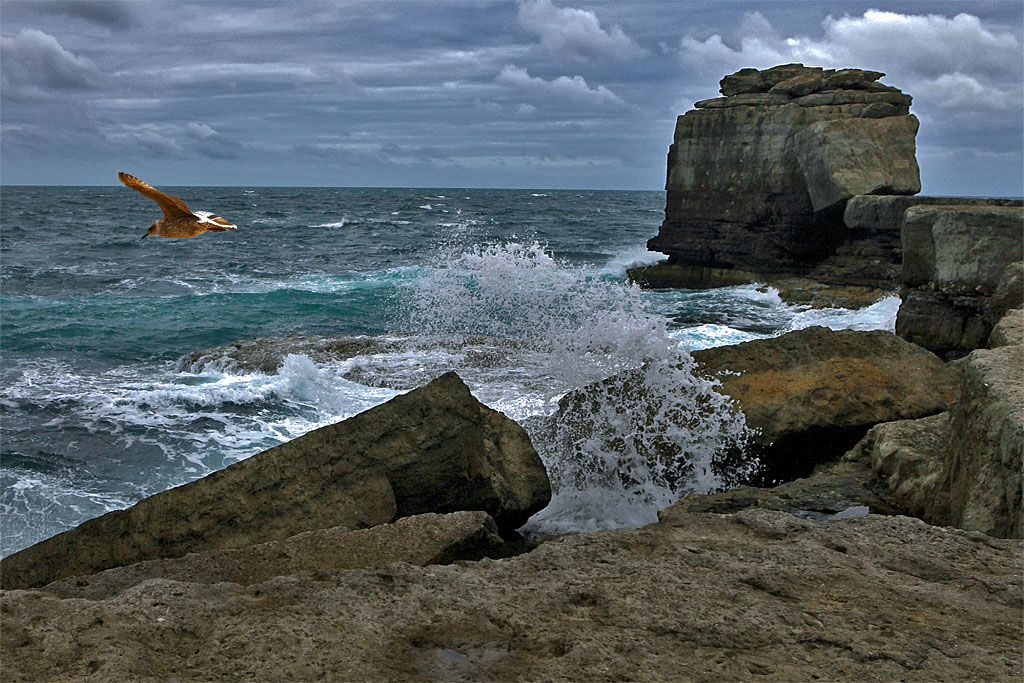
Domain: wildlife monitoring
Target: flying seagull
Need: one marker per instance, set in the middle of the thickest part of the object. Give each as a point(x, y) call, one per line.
point(178, 220)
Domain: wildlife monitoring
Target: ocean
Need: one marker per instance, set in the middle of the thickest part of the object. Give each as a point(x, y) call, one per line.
point(121, 376)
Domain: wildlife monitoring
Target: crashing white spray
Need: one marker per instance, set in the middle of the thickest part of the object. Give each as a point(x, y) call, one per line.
point(616, 451)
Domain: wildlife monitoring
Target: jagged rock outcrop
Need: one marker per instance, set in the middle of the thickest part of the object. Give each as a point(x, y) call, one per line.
point(758, 179)
point(435, 449)
point(1009, 330)
point(758, 594)
point(954, 258)
point(961, 468)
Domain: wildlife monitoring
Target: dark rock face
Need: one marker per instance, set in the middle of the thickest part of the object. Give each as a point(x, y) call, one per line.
point(435, 449)
point(755, 595)
point(953, 260)
point(758, 179)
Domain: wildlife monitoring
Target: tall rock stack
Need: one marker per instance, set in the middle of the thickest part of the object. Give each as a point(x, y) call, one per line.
point(758, 179)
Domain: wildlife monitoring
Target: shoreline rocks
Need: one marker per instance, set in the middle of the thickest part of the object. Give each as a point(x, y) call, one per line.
point(758, 593)
point(434, 449)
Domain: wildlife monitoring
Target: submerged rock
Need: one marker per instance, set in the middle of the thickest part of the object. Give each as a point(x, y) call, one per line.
point(435, 449)
point(758, 594)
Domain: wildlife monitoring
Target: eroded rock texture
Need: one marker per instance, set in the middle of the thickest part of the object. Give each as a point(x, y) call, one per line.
point(758, 179)
point(758, 594)
point(954, 258)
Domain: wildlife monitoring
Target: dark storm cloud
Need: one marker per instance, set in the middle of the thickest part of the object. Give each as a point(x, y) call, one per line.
point(33, 64)
point(112, 15)
point(474, 92)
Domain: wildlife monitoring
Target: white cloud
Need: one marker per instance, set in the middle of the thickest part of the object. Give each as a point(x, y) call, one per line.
point(950, 62)
point(574, 90)
point(575, 33)
point(960, 91)
point(919, 45)
point(33, 64)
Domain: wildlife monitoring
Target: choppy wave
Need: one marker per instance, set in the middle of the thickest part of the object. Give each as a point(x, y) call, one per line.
point(126, 369)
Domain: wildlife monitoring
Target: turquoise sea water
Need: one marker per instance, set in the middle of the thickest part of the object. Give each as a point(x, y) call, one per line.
point(523, 292)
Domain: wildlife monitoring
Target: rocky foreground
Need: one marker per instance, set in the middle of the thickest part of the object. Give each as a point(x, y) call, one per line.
point(694, 597)
point(795, 582)
point(882, 541)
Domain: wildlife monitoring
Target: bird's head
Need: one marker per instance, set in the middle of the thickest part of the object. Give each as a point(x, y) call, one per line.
point(151, 231)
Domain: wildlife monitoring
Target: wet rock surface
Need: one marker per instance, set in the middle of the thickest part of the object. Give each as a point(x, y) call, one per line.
point(758, 593)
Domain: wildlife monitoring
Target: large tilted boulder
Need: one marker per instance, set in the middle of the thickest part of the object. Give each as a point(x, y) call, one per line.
point(758, 179)
point(434, 449)
point(759, 595)
point(811, 394)
point(954, 258)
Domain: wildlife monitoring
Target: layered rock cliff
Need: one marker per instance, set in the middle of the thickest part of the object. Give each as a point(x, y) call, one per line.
point(758, 179)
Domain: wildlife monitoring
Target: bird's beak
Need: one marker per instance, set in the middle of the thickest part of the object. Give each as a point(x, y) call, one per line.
point(145, 236)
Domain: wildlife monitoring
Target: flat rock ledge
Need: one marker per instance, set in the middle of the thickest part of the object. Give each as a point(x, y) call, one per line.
point(694, 597)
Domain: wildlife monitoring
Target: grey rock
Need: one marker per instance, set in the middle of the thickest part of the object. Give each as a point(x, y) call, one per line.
point(1009, 292)
point(906, 456)
point(960, 249)
point(1009, 330)
point(982, 460)
point(420, 540)
point(743, 193)
point(962, 468)
point(954, 258)
point(757, 594)
point(848, 157)
point(435, 449)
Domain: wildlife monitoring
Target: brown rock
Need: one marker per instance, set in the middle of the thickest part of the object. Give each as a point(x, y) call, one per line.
point(799, 85)
point(420, 540)
point(851, 79)
point(743, 81)
point(758, 594)
point(435, 449)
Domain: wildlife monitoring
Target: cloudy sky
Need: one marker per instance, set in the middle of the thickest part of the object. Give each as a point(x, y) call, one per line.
point(536, 93)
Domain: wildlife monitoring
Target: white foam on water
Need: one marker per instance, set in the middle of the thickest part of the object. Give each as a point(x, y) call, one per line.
point(335, 224)
point(880, 315)
point(630, 257)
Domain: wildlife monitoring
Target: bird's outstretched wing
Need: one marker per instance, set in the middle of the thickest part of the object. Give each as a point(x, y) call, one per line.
point(172, 206)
